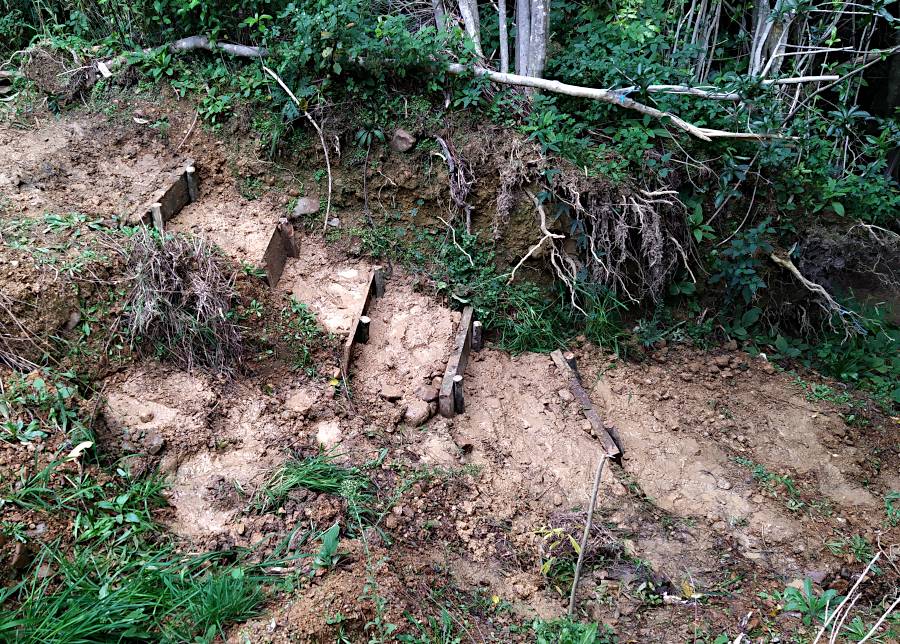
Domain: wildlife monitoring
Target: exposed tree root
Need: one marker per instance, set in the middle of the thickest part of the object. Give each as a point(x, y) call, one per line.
point(461, 181)
point(850, 321)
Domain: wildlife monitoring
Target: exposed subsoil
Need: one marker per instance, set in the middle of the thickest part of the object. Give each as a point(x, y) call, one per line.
point(507, 477)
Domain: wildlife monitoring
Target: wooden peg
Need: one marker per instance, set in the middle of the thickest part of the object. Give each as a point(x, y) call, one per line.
point(477, 336)
point(378, 272)
point(190, 176)
point(459, 405)
point(362, 330)
point(158, 223)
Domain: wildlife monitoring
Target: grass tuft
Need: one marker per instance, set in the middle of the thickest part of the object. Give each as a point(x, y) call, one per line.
point(180, 300)
point(318, 473)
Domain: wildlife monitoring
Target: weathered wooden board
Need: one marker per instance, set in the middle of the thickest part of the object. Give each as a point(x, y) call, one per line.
point(180, 191)
point(282, 244)
point(575, 386)
point(456, 365)
point(374, 289)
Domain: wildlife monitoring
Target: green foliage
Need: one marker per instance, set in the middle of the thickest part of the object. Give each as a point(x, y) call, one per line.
point(739, 265)
point(33, 408)
point(892, 507)
point(150, 595)
point(434, 630)
point(299, 330)
point(327, 556)
point(320, 473)
point(566, 631)
point(812, 607)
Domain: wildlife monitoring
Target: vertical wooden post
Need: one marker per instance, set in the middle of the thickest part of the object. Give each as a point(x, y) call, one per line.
point(158, 223)
point(569, 357)
point(291, 247)
point(190, 177)
point(477, 336)
point(378, 271)
point(459, 405)
point(362, 331)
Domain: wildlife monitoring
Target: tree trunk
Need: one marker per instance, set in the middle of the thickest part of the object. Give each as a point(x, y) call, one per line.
point(468, 9)
point(537, 49)
point(504, 37)
point(437, 6)
point(523, 36)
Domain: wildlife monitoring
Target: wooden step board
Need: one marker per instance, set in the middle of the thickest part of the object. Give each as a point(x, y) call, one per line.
point(570, 373)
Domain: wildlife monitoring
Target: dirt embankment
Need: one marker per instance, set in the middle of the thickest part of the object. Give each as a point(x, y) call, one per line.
point(733, 478)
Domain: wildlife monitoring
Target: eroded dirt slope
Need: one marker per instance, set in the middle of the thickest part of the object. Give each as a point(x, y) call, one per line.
point(481, 505)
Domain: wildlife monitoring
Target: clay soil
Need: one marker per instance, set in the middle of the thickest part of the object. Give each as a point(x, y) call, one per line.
point(688, 531)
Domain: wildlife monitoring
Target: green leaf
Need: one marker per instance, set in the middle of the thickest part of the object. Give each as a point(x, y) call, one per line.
point(838, 208)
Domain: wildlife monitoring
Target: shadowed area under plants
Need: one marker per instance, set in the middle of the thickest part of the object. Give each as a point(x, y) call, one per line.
point(180, 301)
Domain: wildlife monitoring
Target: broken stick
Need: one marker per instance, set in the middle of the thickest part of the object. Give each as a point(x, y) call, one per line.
point(587, 407)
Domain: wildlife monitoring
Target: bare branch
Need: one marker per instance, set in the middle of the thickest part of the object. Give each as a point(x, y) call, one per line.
point(318, 130)
point(605, 95)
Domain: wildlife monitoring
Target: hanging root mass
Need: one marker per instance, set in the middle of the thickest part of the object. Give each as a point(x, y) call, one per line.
point(181, 293)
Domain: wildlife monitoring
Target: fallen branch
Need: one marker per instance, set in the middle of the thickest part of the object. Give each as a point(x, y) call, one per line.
point(191, 43)
point(718, 95)
point(612, 97)
point(318, 130)
point(586, 534)
point(202, 42)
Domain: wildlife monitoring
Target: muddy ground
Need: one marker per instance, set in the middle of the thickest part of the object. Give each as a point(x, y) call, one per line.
point(690, 529)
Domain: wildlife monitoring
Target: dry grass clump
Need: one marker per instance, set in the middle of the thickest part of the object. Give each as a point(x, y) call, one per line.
point(181, 293)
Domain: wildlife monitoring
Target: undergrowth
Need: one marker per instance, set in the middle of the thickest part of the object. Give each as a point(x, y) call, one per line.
point(111, 574)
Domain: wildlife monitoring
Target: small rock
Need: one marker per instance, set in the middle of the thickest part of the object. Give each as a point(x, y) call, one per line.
point(817, 576)
point(306, 206)
point(146, 417)
point(796, 583)
point(428, 394)
point(557, 500)
point(402, 141)
point(21, 557)
point(74, 319)
point(154, 443)
point(391, 393)
point(417, 413)
point(328, 433)
point(566, 395)
point(722, 361)
point(723, 484)
point(731, 345)
point(334, 222)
